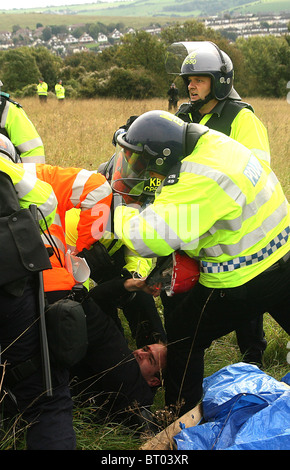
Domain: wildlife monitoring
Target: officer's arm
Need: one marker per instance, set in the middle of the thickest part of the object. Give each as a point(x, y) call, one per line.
point(31, 190)
point(24, 136)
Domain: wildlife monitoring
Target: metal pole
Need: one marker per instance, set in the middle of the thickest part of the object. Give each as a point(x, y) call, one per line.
point(42, 324)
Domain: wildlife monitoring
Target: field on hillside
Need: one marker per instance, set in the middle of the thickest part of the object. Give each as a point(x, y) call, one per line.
point(79, 133)
point(29, 19)
point(158, 11)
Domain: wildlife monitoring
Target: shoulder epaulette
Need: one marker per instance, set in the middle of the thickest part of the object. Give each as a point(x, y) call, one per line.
point(184, 107)
point(184, 110)
point(7, 98)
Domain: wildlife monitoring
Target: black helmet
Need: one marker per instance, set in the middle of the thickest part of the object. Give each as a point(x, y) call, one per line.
point(157, 139)
point(207, 59)
point(7, 149)
point(153, 144)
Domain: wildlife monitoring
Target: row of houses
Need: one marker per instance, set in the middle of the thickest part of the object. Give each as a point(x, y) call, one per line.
point(251, 25)
point(64, 43)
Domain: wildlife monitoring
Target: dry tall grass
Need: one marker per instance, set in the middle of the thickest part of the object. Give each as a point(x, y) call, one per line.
point(79, 132)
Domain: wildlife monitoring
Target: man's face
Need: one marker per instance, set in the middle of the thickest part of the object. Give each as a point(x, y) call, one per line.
point(151, 359)
point(198, 87)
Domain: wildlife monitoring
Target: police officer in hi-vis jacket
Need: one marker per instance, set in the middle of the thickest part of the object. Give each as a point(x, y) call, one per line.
point(208, 75)
point(224, 207)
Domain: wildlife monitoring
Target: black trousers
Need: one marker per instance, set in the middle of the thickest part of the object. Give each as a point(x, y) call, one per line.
point(207, 314)
point(250, 335)
point(49, 419)
point(144, 320)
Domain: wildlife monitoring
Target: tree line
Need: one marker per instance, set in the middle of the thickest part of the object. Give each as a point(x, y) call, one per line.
point(135, 69)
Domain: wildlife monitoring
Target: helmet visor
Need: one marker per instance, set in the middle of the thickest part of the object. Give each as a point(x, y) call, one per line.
point(130, 176)
point(177, 52)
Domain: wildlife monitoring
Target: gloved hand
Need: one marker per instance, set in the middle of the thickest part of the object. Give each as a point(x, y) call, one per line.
point(123, 129)
point(118, 132)
point(100, 262)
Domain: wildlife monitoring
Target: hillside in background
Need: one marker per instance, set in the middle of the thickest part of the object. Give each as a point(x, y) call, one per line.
point(166, 8)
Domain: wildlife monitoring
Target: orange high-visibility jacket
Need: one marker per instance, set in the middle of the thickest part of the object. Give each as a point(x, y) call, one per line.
point(73, 187)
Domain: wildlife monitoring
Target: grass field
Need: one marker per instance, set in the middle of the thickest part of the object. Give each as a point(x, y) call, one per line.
point(29, 19)
point(151, 11)
point(79, 133)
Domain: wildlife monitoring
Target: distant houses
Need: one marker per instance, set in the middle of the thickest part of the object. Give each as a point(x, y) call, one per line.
point(251, 25)
point(67, 43)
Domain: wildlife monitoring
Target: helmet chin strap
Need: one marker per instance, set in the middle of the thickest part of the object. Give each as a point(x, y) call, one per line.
point(196, 105)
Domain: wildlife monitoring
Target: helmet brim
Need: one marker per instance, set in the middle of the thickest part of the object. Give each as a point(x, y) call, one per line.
point(123, 143)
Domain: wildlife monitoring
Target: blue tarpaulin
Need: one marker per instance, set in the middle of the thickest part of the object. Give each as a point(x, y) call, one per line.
point(243, 409)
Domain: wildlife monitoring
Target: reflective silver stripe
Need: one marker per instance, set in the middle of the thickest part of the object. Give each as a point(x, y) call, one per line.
point(78, 185)
point(33, 159)
point(248, 210)
point(97, 195)
point(224, 181)
point(139, 244)
point(56, 240)
point(251, 238)
point(243, 261)
point(26, 146)
point(160, 229)
point(25, 186)
point(231, 189)
point(56, 220)
point(4, 114)
point(30, 145)
point(48, 206)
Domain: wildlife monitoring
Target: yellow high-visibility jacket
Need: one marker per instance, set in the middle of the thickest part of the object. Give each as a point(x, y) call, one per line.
point(59, 91)
point(245, 127)
point(42, 89)
point(227, 210)
point(31, 190)
point(15, 124)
